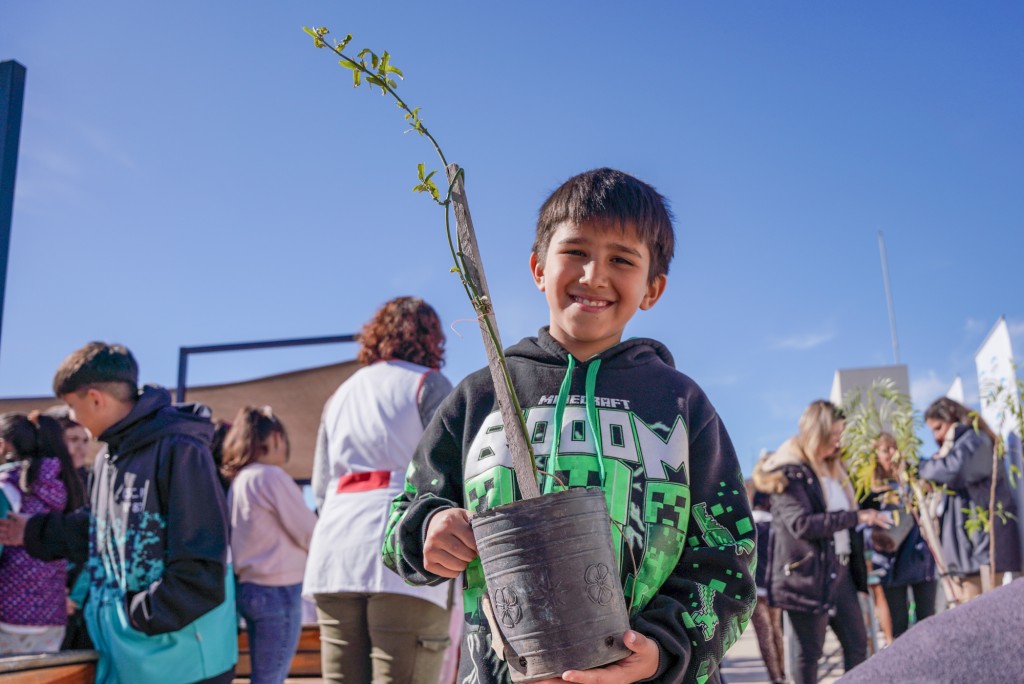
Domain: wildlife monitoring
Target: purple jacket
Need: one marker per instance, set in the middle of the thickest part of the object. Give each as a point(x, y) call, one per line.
point(33, 590)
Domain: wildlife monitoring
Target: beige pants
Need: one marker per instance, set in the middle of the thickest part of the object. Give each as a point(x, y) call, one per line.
point(973, 586)
point(381, 638)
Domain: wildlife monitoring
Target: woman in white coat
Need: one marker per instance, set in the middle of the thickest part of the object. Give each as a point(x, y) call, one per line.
point(373, 626)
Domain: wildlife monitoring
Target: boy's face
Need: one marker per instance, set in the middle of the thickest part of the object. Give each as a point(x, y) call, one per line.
point(595, 277)
point(95, 410)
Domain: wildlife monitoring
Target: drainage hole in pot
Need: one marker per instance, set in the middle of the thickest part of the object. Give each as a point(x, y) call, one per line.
point(609, 641)
point(522, 661)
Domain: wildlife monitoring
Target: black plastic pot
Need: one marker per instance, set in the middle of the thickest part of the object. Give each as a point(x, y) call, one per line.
point(553, 583)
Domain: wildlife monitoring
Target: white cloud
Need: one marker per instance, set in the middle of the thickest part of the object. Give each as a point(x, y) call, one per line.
point(975, 326)
point(105, 145)
point(927, 388)
point(803, 342)
point(52, 161)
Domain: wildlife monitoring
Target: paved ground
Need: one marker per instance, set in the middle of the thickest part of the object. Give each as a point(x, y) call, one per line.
point(743, 664)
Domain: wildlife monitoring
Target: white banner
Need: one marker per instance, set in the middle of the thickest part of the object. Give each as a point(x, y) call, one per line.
point(994, 360)
point(997, 384)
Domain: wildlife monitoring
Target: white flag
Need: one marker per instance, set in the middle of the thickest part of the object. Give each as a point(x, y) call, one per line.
point(997, 378)
point(956, 390)
point(997, 385)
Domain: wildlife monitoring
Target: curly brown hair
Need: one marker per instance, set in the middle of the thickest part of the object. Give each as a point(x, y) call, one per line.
point(406, 328)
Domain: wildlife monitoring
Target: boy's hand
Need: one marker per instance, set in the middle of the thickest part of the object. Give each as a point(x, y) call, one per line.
point(449, 545)
point(639, 665)
point(12, 529)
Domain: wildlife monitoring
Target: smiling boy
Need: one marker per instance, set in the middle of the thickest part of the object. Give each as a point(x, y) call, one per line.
point(600, 412)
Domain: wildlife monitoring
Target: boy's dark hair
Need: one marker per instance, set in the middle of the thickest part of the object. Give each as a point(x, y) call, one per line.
point(607, 194)
point(109, 367)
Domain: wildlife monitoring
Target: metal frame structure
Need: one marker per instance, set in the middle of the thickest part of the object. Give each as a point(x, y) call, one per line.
point(185, 352)
point(12, 97)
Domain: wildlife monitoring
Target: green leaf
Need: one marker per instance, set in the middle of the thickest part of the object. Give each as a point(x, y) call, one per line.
point(376, 81)
point(357, 76)
point(454, 269)
point(345, 42)
point(348, 63)
point(420, 169)
point(310, 31)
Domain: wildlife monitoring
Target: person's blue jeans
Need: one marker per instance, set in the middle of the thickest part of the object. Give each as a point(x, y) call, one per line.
point(273, 619)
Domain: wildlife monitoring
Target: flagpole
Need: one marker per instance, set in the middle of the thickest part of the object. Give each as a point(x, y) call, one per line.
point(888, 299)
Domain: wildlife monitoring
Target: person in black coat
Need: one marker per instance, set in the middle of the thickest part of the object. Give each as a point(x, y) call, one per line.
point(813, 509)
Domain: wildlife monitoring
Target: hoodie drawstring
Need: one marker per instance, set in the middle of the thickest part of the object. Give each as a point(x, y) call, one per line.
point(595, 427)
point(591, 408)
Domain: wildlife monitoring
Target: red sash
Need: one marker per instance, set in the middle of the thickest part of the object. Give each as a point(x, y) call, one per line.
point(363, 482)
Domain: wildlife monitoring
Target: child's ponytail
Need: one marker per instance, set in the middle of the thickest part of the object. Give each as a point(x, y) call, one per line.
point(34, 437)
point(247, 439)
point(50, 437)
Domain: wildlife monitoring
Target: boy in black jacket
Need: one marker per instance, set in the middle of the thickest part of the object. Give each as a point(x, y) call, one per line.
point(160, 606)
point(614, 414)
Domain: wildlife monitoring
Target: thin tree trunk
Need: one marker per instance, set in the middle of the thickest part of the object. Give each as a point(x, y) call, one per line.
point(992, 518)
point(508, 403)
point(926, 522)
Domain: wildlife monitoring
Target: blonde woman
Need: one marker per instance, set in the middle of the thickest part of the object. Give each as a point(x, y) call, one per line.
point(814, 511)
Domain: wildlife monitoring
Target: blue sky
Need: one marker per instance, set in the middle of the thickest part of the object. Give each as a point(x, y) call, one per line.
point(196, 173)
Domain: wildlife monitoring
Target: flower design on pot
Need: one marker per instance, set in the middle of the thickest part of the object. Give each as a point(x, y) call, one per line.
point(597, 577)
point(507, 603)
point(547, 591)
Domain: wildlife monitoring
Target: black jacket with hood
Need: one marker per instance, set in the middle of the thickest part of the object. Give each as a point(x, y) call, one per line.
point(665, 460)
point(159, 517)
point(802, 561)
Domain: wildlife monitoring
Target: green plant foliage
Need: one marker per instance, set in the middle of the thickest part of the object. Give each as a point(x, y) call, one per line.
point(376, 71)
point(882, 408)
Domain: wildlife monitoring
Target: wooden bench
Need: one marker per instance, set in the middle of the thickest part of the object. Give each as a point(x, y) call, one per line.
point(66, 667)
point(305, 663)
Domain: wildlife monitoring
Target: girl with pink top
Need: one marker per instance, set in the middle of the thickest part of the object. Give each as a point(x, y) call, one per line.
point(271, 527)
point(38, 475)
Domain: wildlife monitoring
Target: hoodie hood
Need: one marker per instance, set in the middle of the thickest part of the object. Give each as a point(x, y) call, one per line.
point(769, 474)
point(153, 417)
point(545, 350)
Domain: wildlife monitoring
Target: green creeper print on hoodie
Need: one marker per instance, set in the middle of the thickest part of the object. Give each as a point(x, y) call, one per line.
point(625, 421)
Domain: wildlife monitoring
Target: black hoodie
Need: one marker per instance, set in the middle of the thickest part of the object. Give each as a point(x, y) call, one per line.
point(692, 536)
point(158, 518)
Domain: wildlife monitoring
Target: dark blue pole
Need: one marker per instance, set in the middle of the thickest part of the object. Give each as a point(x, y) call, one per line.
point(12, 96)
